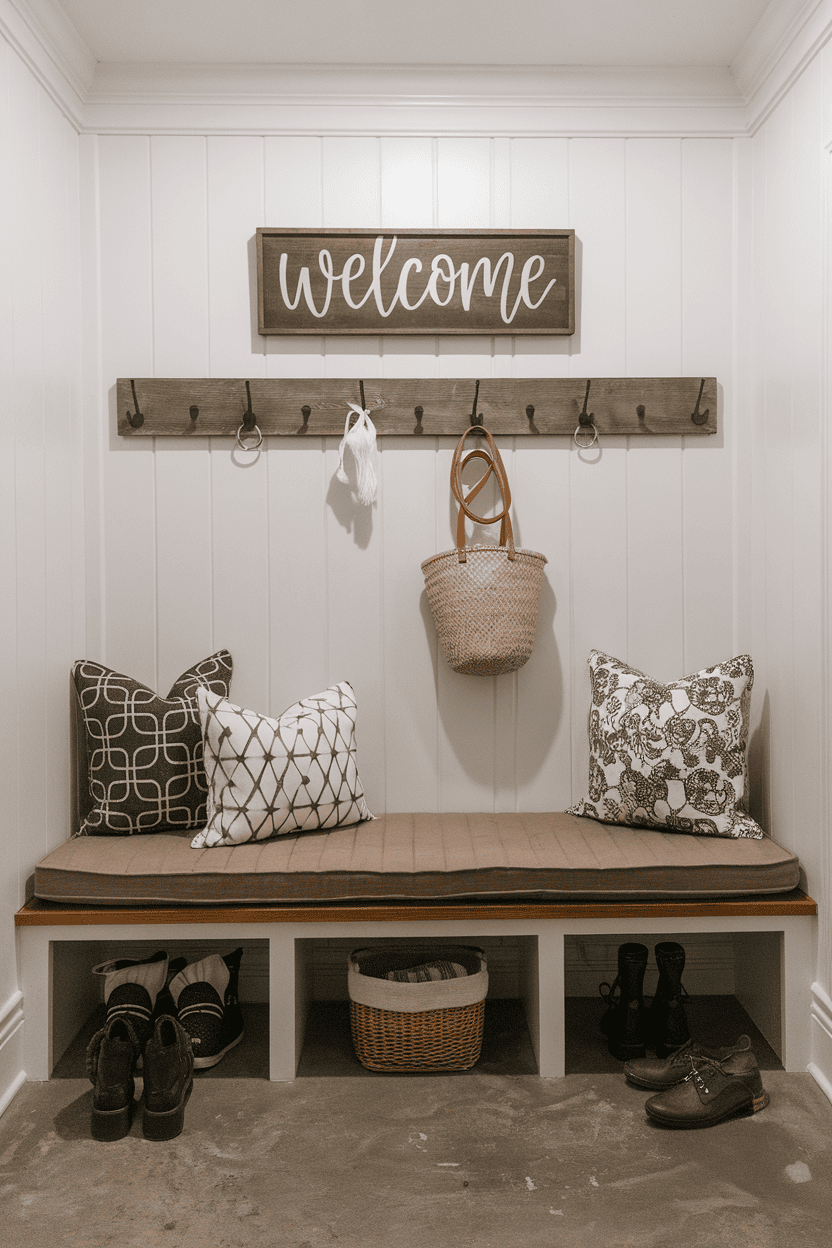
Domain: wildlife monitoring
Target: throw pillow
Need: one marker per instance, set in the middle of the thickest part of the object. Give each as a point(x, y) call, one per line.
point(670, 756)
point(267, 776)
point(144, 770)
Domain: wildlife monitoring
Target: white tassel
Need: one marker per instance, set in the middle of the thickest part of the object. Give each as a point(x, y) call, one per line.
point(361, 440)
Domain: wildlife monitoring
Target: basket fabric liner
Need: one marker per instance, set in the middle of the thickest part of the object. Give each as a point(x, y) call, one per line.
point(405, 998)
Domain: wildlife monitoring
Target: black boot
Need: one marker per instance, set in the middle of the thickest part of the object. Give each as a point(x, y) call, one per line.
point(667, 1023)
point(111, 1059)
point(625, 1018)
point(168, 1079)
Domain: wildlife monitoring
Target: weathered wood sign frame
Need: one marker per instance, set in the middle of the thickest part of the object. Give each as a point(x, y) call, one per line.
point(439, 407)
point(415, 281)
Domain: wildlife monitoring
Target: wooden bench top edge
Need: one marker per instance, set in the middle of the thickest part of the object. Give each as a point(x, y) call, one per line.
point(37, 913)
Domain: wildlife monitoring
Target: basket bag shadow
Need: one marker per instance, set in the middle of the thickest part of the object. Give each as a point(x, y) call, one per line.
point(484, 599)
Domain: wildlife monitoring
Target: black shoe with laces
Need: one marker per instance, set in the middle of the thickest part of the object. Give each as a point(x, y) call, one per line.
point(658, 1073)
point(206, 998)
point(712, 1090)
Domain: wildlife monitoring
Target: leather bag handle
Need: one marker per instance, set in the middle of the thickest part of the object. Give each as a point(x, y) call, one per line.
point(495, 465)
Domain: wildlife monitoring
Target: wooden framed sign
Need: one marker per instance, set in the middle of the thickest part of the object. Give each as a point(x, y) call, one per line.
point(416, 281)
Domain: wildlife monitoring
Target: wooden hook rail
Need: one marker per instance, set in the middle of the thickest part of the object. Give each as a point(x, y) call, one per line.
point(296, 407)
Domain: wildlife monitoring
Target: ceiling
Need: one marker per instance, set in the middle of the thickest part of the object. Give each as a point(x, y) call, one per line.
point(432, 32)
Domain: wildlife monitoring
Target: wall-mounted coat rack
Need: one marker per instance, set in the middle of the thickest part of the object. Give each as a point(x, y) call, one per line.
point(295, 407)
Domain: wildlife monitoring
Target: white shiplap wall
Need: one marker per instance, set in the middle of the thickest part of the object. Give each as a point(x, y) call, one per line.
point(783, 468)
point(41, 498)
point(271, 558)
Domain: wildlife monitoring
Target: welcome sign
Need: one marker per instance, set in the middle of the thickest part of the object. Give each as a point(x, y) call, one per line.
point(416, 281)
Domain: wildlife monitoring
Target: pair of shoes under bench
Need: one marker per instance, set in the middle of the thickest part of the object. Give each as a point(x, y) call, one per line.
point(202, 996)
point(205, 1001)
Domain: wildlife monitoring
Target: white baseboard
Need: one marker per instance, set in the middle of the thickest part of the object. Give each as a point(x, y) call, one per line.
point(12, 1074)
point(820, 1067)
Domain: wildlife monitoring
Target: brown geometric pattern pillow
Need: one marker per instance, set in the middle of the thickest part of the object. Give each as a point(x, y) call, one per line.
point(670, 756)
point(144, 770)
point(272, 776)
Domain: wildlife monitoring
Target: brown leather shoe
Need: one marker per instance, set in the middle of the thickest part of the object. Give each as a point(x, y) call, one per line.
point(711, 1091)
point(658, 1072)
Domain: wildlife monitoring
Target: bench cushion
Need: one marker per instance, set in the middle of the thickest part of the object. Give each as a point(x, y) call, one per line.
point(426, 857)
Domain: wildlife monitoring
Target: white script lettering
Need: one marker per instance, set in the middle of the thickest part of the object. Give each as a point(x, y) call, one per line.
point(442, 272)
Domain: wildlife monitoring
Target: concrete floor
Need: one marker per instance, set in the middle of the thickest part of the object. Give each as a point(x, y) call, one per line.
point(482, 1161)
point(489, 1158)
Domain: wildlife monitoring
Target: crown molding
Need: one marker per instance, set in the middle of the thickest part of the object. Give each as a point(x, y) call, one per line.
point(47, 42)
point(447, 99)
point(137, 98)
point(785, 40)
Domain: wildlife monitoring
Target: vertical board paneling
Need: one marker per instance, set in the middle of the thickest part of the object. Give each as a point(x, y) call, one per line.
point(597, 481)
point(544, 685)
point(18, 862)
point(463, 183)
point(354, 535)
point(406, 182)
point(468, 731)
point(297, 482)
point(30, 364)
point(806, 353)
point(58, 194)
point(306, 586)
point(180, 348)
point(239, 508)
point(707, 478)
point(779, 519)
point(654, 471)
point(128, 536)
point(408, 476)
point(41, 553)
point(540, 199)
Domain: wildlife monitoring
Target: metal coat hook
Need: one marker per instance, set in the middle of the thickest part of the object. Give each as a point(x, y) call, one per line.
point(586, 420)
point(194, 411)
point(306, 412)
point(530, 418)
point(699, 418)
point(135, 422)
point(476, 417)
point(361, 391)
point(418, 412)
point(248, 427)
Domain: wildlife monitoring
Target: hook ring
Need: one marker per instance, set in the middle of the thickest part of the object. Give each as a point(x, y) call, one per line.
point(585, 428)
point(243, 434)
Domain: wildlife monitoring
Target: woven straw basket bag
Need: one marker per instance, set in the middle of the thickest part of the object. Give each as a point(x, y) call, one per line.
point(484, 599)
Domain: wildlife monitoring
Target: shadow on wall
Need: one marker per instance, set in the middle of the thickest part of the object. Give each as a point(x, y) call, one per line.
point(353, 516)
point(541, 674)
point(759, 761)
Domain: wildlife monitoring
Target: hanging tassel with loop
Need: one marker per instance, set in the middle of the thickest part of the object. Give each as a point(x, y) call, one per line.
point(361, 440)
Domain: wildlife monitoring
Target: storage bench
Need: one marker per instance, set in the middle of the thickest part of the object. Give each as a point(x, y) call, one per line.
point(538, 878)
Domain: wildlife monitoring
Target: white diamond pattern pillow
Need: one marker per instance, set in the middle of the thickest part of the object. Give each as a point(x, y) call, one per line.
point(267, 777)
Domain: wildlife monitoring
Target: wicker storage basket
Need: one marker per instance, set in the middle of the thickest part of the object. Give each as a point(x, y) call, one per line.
point(416, 1027)
point(484, 599)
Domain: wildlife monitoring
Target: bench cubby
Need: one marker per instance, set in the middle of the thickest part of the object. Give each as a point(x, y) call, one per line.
point(772, 941)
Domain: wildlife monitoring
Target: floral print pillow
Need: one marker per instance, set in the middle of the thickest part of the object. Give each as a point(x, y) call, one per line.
point(670, 756)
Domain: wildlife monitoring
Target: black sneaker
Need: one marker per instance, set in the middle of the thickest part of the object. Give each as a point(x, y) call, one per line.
point(131, 987)
point(205, 996)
